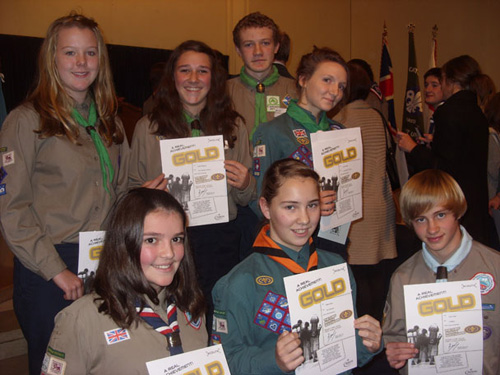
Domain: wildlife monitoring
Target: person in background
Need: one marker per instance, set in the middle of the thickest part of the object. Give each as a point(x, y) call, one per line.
point(145, 304)
point(459, 144)
point(432, 204)
point(64, 165)
point(375, 97)
point(484, 87)
point(372, 238)
point(492, 113)
point(281, 57)
point(191, 102)
point(433, 97)
point(284, 246)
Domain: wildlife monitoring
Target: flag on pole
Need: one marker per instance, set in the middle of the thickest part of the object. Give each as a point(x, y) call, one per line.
point(413, 120)
point(387, 80)
point(434, 62)
point(3, 109)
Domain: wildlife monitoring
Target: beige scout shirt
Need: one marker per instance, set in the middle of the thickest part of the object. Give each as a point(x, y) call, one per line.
point(243, 98)
point(483, 263)
point(80, 346)
point(145, 162)
point(53, 190)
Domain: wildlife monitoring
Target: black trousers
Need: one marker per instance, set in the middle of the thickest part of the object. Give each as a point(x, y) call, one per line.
point(216, 251)
point(37, 302)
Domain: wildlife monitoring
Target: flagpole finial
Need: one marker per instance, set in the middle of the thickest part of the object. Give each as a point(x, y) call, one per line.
point(411, 28)
point(384, 33)
point(435, 31)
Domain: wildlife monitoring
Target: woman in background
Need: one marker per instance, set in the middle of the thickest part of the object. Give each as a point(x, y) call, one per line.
point(64, 166)
point(460, 144)
point(373, 237)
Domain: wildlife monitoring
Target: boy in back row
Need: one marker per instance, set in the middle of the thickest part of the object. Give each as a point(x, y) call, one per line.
point(259, 93)
point(432, 203)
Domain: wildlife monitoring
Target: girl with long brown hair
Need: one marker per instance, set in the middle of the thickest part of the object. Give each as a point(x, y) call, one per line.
point(190, 102)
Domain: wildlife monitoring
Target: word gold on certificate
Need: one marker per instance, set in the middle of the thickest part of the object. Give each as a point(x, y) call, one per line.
point(194, 169)
point(322, 313)
point(445, 322)
point(89, 251)
point(205, 361)
point(338, 159)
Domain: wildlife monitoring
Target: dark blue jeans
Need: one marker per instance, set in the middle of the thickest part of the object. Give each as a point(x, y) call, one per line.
point(37, 302)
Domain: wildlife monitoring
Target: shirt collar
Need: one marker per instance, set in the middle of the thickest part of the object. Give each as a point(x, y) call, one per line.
point(457, 257)
point(300, 257)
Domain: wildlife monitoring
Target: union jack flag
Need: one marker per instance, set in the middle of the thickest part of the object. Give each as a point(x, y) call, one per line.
point(116, 335)
point(387, 80)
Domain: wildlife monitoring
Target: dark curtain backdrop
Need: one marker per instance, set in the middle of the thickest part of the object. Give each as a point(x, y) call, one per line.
point(130, 66)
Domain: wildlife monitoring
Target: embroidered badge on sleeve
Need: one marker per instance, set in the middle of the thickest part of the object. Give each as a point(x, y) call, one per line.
point(3, 173)
point(273, 313)
point(8, 158)
point(486, 282)
point(196, 324)
point(53, 365)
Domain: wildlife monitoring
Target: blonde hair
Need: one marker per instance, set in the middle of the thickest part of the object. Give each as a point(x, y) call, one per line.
point(430, 188)
point(52, 101)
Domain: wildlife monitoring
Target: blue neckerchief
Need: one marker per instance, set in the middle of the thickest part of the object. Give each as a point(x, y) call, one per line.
point(170, 328)
point(458, 256)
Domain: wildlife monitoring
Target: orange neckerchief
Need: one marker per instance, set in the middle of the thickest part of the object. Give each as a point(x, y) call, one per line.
point(265, 245)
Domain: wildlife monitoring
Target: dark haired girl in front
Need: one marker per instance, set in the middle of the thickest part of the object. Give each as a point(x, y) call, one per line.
point(146, 304)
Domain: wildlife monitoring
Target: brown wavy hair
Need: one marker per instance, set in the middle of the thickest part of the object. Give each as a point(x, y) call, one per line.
point(462, 70)
point(218, 115)
point(120, 281)
point(255, 20)
point(55, 105)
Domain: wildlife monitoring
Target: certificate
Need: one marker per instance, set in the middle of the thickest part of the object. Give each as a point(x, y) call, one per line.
point(338, 159)
point(194, 169)
point(205, 361)
point(445, 322)
point(322, 313)
point(89, 251)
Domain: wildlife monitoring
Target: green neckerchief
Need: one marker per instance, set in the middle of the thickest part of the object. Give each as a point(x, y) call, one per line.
point(106, 165)
point(194, 124)
point(260, 97)
point(306, 118)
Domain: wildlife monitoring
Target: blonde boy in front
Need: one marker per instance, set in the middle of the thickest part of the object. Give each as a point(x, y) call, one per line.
point(432, 203)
